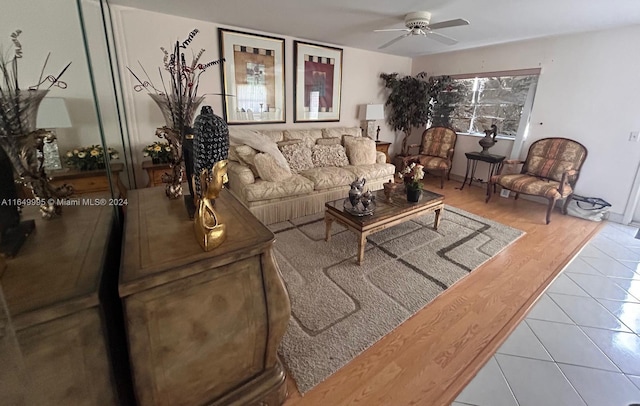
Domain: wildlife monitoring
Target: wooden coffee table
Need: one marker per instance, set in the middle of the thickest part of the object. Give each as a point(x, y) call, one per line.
point(387, 214)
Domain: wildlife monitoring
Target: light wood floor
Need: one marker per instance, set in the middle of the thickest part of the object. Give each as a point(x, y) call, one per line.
point(430, 358)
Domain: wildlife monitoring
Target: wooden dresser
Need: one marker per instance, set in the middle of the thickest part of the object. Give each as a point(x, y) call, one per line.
point(51, 289)
point(203, 327)
point(84, 182)
point(155, 172)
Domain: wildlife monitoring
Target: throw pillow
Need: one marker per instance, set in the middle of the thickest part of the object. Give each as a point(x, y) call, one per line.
point(269, 170)
point(328, 141)
point(361, 150)
point(292, 142)
point(246, 155)
point(338, 132)
point(328, 155)
point(298, 156)
point(309, 137)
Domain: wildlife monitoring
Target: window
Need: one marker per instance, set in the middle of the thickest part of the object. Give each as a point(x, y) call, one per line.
point(493, 99)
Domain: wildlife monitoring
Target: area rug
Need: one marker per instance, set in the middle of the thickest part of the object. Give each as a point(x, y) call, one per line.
point(339, 308)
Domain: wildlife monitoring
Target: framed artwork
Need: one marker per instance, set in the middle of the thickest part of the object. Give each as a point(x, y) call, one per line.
point(252, 77)
point(318, 82)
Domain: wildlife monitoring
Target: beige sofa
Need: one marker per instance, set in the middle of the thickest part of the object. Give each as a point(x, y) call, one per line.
point(305, 190)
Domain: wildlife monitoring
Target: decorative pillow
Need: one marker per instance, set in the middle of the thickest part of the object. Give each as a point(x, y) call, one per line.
point(268, 169)
point(338, 132)
point(328, 141)
point(246, 155)
point(328, 155)
point(309, 137)
point(298, 156)
point(232, 154)
point(275, 135)
point(292, 142)
point(360, 150)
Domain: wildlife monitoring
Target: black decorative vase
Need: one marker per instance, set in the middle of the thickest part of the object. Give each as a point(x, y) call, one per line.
point(413, 195)
point(211, 143)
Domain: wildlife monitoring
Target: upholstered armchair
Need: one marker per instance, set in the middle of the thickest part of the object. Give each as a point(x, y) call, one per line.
point(435, 151)
point(550, 170)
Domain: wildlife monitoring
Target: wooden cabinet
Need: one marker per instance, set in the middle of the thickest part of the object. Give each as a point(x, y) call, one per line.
point(51, 289)
point(383, 147)
point(84, 182)
point(155, 172)
point(203, 327)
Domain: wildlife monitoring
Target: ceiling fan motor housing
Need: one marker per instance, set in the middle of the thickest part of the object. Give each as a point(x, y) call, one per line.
point(418, 19)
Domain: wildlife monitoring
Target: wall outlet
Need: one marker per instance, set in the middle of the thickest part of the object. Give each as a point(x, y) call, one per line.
point(504, 193)
point(633, 136)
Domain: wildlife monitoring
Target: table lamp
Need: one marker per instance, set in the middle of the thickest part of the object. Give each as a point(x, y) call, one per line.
point(52, 114)
point(371, 113)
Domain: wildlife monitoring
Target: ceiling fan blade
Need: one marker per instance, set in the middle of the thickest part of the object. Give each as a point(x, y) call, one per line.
point(392, 29)
point(448, 23)
point(441, 38)
point(393, 41)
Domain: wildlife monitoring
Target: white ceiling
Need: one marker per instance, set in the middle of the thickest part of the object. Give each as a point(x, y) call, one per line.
point(351, 22)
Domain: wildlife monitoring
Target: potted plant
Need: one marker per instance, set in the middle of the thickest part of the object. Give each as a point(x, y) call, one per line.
point(160, 152)
point(89, 158)
point(412, 175)
point(414, 101)
point(408, 104)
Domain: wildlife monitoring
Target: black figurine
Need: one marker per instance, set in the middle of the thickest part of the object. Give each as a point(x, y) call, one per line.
point(211, 143)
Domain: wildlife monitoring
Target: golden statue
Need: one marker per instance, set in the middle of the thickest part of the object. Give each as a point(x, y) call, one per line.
point(210, 231)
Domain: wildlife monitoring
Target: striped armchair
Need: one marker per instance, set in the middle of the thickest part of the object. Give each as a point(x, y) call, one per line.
point(435, 153)
point(550, 170)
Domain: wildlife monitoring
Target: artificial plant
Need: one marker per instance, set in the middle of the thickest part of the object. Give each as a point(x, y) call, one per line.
point(408, 104)
point(444, 93)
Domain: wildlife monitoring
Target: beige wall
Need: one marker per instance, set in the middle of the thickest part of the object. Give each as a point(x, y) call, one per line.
point(588, 91)
point(140, 34)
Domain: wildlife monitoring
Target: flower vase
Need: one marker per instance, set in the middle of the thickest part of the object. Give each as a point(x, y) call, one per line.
point(23, 145)
point(413, 195)
point(178, 116)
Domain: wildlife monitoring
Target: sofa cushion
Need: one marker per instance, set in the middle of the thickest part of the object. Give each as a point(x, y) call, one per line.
point(241, 173)
point(328, 177)
point(275, 135)
point(328, 155)
point(268, 168)
point(298, 157)
point(338, 132)
point(373, 171)
point(360, 150)
point(265, 190)
point(246, 155)
point(329, 141)
point(309, 137)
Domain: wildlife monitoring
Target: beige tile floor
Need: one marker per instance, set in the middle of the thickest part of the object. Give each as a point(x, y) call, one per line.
point(580, 344)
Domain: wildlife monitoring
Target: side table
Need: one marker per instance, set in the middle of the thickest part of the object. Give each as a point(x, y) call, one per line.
point(84, 182)
point(494, 161)
point(383, 147)
point(155, 172)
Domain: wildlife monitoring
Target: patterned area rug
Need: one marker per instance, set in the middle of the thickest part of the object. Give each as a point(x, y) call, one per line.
point(339, 308)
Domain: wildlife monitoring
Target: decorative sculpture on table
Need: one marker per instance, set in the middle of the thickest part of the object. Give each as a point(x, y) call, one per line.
point(489, 139)
point(178, 104)
point(359, 203)
point(211, 149)
point(21, 142)
point(210, 230)
point(211, 143)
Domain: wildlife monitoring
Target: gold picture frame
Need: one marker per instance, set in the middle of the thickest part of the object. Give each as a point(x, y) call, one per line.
point(318, 82)
point(253, 77)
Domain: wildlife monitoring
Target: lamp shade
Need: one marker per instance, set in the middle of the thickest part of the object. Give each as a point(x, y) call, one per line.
point(372, 112)
point(53, 113)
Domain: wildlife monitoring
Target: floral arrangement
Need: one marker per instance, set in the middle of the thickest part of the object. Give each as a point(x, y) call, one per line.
point(89, 158)
point(181, 97)
point(412, 175)
point(160, 152)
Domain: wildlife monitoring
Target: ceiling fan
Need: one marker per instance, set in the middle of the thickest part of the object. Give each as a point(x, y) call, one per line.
point(417, 23)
